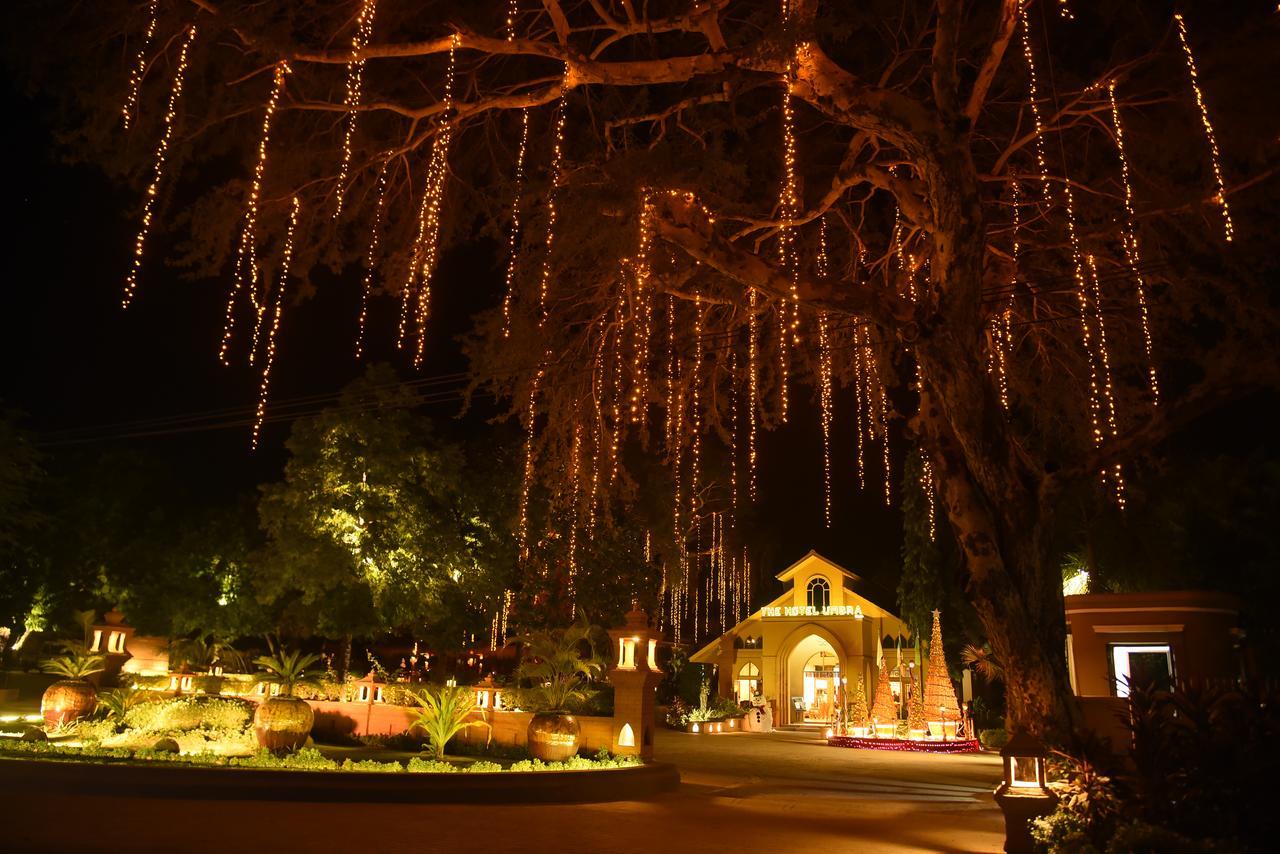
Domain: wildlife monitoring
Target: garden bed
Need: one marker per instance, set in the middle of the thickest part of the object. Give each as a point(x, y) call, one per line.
point(310, 776)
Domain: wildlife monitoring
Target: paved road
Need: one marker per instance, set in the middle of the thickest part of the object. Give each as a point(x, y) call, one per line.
point(740, 793)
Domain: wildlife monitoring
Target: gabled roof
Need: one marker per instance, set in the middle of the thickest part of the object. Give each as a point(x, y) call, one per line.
point(789, 572)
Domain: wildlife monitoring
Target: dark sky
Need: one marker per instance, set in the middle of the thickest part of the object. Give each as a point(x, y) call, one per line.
point(80, 364)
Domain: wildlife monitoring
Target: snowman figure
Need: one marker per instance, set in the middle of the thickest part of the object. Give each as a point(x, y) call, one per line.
point(760, 718)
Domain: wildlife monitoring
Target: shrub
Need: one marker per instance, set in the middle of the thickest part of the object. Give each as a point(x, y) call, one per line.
point(188, 713)
point(419, 765)
point(371, 766)
point(993, 739)
point(482, 767)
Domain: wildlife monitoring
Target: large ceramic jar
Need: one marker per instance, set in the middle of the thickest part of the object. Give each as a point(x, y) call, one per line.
point(68, 700)
point(283, 723)
point(553, 736)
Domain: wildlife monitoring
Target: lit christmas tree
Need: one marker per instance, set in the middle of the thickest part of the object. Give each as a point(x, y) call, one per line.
point(939, 694)
point(883, 708)
point(916, 719)
point(856, 711)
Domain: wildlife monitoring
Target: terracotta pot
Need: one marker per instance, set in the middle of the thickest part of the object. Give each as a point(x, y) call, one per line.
point(553, 736)
point(283, 723)
point(68, 700)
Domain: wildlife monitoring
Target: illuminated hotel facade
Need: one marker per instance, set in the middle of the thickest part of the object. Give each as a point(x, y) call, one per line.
point(796, 649)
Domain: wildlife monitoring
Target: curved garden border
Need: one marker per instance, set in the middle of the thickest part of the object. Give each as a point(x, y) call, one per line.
point(215, 783)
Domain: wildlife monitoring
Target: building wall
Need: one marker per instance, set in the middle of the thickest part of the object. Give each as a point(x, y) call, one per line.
point(1199, 627)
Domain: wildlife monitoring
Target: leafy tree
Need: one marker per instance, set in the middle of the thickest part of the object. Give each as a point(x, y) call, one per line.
point(559, 663)
point(289, 669)
point(377, 522)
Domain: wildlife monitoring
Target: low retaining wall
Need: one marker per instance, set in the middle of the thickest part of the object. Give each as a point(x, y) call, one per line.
point(168, 781)
point(505, 727)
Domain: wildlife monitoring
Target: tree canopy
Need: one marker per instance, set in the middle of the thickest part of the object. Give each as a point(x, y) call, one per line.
point(1030, 243)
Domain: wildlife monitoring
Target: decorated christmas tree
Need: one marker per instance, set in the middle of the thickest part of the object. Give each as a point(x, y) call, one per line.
point(856, 706)
point(916, 719)
point(883, 708)
point(939, 694)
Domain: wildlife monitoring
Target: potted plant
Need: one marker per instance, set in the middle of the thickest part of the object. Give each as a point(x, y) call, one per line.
point(284, 721)
point(445, 713)
point(73, 696)
point(555, 663)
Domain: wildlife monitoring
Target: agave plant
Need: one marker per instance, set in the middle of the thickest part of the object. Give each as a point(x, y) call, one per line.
point(77, 663)
point(445, 713)
point(559, 664)
point(288, 669)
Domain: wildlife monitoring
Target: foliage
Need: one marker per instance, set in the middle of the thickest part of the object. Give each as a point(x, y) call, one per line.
point(856, 711)
point(189, 713)
point(378, 522)
point(445, 713)
point(289, 669)
point(559, 663)
point(983, 662)
point(115, 704)
point(677, 712)
point(75, 664)
point(993, 739)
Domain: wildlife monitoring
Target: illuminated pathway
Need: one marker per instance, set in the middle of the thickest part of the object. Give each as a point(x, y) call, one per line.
point(747, 793)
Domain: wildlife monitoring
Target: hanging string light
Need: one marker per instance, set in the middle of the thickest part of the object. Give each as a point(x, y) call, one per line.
point(862, 402)
point(1104, 361)
point(1228, 228)
point(526, 483)
point(695, 412)
point(371, 255)
point(753, 388)
point(640, 322)
point(355, 74)
point(1132, 251)
point(157, 170)
point(1064, 9)
point(140, 64)
point(557, 160)
point(930, 495)
point(734, 426)
point(274, 329)
point(1001, 324)
point(1034, 99)
point(247, 251)
point(513, 236)
point(824, 377)
point(433, 199)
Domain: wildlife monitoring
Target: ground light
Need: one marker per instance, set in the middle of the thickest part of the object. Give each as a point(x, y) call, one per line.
point(1023, 793)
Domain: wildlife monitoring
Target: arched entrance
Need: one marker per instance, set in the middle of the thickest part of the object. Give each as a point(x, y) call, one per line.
point(810, 663)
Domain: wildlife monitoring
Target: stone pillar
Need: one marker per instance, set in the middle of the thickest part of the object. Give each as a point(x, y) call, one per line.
point(635, 676)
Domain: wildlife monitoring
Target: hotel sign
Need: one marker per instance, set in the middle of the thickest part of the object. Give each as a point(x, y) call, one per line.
point(854, 611)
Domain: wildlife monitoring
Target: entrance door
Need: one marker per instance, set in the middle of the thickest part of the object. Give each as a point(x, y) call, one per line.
point(812, 683)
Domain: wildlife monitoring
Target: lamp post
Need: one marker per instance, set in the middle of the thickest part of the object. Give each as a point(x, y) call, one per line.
point(1023, 793)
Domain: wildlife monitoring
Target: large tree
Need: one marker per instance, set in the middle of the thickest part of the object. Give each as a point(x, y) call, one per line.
point(925, 202)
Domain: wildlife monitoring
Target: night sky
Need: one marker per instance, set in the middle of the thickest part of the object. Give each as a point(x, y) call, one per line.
point(83, 370)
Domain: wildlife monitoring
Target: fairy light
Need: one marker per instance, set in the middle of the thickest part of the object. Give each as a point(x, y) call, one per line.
point(1064, 9)
point(1216, 156)
point(140, 65)
point(1001, 331)
point(575, 486)
point(526, 483)
point(1033, 91)
point(735, 425)
point(1132, 251)
point(355, 74)
point(640, 324)
point(930, 495)
point(157, 170)
point(1095, 352)
point(274, 329)
point(437, 177)
point(513, 236)
point(824, 377)
point(753, 389)
point(246, 252)
point(557, 159)
point(695, 413)
point(1108, 395)
point(861, 402)
point(371, 255)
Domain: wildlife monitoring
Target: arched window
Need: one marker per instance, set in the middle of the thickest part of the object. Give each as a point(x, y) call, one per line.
point(748, 683)
point(818, 593)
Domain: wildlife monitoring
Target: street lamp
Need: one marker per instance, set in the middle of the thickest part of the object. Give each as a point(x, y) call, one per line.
point(1023, 793)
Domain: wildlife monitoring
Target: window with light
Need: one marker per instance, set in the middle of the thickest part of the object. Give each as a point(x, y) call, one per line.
point(818, 593)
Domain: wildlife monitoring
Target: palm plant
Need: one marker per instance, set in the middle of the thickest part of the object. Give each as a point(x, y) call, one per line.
point(113, 704)
point(445, 713)
point(983, 661)
point(289, 669)
point(76, 663)
point(555, 663)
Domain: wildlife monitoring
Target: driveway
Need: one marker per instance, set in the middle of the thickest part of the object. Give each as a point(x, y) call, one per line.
point(780, 792)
